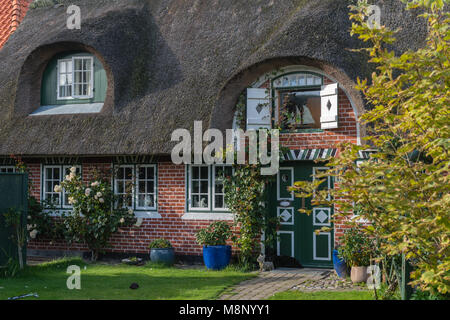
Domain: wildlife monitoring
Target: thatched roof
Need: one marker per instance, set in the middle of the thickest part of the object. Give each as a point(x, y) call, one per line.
point(171, 62)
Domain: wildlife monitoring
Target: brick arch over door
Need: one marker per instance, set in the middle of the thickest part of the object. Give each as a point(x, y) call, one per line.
point(223, 113)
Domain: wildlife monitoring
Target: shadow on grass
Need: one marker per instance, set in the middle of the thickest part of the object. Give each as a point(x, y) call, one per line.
point(113, 282)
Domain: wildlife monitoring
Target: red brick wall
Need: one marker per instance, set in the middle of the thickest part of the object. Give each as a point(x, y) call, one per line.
point(172, 193)
point(171, 207)
point(12, 13)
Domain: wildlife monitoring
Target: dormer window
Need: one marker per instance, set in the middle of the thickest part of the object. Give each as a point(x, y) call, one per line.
point(75, 79)
point(73, 83)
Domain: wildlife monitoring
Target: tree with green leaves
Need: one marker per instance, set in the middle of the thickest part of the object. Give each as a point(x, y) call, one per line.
point(403, 190)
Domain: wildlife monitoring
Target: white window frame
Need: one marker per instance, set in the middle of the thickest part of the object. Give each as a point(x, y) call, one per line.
point(213, 186)
point(90, 83)
point(44, 183)
point(155, 191)
point(62, 170)
point(63, 192)
point(58, 96)
point(133, 179)
point(4, 169)
point(190, 188)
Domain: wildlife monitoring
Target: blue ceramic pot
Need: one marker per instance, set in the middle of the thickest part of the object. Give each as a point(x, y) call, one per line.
point(339, 265)
point(166, 255)
point(216, 257)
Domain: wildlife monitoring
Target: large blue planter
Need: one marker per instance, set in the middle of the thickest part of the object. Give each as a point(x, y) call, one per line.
point(339, 265)
point(216, 257)
point(166, 255)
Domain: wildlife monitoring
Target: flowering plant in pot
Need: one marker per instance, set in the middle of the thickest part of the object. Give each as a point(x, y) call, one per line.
point(216, 253)
point(161, 251)
point(356, 250)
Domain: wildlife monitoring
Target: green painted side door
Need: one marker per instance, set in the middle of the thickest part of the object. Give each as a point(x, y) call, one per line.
point(13, 194)
point(297, 235)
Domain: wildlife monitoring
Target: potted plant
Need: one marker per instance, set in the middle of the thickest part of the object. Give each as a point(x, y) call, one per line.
point(216, 254)
point(161, 250)
point(339, 264)
point(356, 250)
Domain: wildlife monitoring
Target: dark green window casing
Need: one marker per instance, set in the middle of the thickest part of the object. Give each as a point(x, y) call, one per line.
point(49, 85)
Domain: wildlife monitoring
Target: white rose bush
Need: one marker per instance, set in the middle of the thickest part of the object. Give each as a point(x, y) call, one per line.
point(94, 217)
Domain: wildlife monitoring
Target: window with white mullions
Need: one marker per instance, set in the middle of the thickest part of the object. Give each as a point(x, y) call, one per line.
point(82, 82)
point(199, 187)
point(65, 195)
point(123, 185)
point(220, 172)
point(65, 79)
point(52, 178)
point(146, 187)
point(53, 175)
point(7, 169)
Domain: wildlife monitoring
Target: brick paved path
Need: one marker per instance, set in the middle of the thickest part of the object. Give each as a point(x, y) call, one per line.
point(269, 283)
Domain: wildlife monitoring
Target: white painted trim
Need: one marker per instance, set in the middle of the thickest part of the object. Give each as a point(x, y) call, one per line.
point(292, 242)
point(213, 185)
point(136, 193)
point(147, 214)
point(190, 188)
point(293, 215)
point(44, 184)
point(6, 168)
point(91, 82)
point(302, 68)
point(58, 97)
point(132, 180)
point(315, 246)
point(328, 210)
point(278, 183)
point(64, 167)
point(208, 216)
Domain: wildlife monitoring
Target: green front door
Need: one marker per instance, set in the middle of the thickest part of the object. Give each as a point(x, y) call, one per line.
point(297, 235)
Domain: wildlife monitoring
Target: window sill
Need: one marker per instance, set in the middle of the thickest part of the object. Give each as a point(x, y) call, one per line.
point(147, 214)
point(208, 216)
point(68, 109)
point(312, 130)
point(138, 214)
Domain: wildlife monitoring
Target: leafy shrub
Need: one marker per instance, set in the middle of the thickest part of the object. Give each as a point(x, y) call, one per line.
point(11, 269)
point(160, 244)
point(94, 217)
point(40, 223)
point(216, 234)
point(356, 248)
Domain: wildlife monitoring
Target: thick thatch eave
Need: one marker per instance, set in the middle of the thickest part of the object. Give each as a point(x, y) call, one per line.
point(171, 62)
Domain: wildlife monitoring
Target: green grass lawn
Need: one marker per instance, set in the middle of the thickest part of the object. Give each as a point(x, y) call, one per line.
point(100, 281)
point(324, 295)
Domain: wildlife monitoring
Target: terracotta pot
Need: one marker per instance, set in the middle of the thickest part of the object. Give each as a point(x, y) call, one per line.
point(359, 274)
